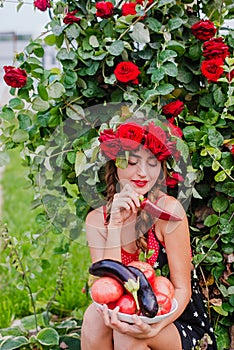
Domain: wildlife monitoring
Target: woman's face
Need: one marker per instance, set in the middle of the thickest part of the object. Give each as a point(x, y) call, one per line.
point(142, 171)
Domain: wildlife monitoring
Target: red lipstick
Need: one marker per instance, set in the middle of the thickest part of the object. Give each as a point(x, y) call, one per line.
point(140, 183)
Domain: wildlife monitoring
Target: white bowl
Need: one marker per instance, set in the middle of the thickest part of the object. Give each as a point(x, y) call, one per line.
point(128, 318)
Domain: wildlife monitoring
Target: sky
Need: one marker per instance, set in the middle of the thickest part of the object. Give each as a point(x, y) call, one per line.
point(26, 21)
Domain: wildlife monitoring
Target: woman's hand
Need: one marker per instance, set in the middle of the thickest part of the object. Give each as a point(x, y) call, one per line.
point(124, 205)
point(138, 329)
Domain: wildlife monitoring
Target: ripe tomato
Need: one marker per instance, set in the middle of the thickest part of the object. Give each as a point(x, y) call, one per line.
point(163, 285)
point(127, 304)
point(106, 290)
point(146, 268)
point(164, 304)
point(111, 305)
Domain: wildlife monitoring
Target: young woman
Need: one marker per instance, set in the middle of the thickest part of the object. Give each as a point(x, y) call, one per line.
point(121, 230)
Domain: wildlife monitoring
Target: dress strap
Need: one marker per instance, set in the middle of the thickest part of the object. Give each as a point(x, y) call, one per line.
point(105, 215)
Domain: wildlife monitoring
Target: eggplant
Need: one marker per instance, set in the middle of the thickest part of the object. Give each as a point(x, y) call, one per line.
point(112, 268)
point(132, 279)
point(146, 296)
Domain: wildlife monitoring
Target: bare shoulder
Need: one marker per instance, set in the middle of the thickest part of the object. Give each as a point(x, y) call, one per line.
point(95, 218)
point(172, 205)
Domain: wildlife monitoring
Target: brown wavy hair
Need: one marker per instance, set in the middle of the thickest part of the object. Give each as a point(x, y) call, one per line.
point(144, 221)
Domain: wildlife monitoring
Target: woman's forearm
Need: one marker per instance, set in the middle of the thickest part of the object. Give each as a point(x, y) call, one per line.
point(112, 249)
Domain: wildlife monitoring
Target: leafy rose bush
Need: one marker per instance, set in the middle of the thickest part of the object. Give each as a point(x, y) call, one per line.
point(161, 56)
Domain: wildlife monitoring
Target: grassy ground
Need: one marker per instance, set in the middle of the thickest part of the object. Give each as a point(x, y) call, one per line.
point(38, 255)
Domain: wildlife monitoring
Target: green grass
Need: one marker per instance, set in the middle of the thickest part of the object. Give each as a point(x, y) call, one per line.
point(37, 254)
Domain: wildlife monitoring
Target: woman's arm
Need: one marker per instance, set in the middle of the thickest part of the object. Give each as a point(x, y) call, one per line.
point(105, 240)
point(176, 238)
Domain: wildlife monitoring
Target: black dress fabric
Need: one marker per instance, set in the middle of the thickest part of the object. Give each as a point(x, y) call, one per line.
point(193, 325)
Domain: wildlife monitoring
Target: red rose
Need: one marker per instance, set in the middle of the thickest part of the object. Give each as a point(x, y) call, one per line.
point(173, 179)
point(203, 30)
point(71, 18)
point(129, 9)
point(42, 5)
point(215, 48)
point(107, 135)
point(127, 72)
point(15, 77)
point(109, 144)
point(175, 130)
point(156, 142)
point(131, 135)
point(212, 69)
point(140, 2)
point(104, 9)
point(172, 109)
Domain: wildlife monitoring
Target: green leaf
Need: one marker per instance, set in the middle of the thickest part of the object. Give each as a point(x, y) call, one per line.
point(170, 69)
point(116, 48)
point(24, 121)
point(73, 31)
point(195, 52)
point(221, 176)
point(10, 342)
point(219, 97)
point(213, 257)
point(165, 89)
point(121, 162)
point(220, 310)
point(215, 137)
point(48, 337)
point(140, 33)
point(56, 90)
point(228, 188)
point(153, 24)
point(40, 105)
point(174, 23)
point(184, 75)
point(211, 220)
point(50, 40)
point(64, 54)
point(42, 92)
point(80, 163)
point(7, 113)
point(93, 41)
point(167, 55)
point(75, 112)
point(16, 103)
point(176, 46)
point(157, 75)
point(220, 204)
point(20, 135)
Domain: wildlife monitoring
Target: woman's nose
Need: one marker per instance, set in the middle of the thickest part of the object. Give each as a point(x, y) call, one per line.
point(142, 169)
